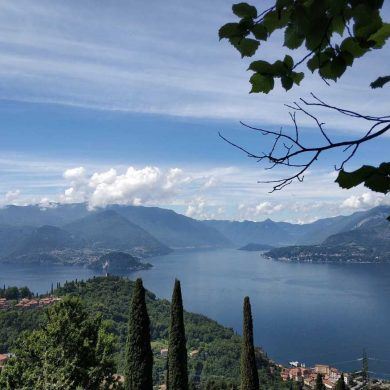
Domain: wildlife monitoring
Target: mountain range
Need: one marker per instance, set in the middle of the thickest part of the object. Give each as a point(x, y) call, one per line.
point(73, 234)
point(366, 240)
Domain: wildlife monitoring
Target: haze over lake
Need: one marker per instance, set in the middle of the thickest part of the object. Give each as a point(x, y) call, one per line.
point(315, 313)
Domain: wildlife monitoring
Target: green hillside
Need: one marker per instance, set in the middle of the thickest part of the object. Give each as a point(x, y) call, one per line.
point(218, 347)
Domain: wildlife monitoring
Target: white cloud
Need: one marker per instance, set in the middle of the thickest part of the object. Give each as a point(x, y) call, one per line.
point(106, 63)
point(267, 208)
point(365, 201)
point(75, 173)
point(259, 210)
point(196, 208)
point(12, 196)
point(135, 186)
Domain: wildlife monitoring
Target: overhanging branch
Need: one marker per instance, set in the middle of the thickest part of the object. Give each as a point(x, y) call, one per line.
point(288, 150)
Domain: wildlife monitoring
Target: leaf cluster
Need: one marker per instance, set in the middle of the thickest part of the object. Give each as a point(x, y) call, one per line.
point(308, 24)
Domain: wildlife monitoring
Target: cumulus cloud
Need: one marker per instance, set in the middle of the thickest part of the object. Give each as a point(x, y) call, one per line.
point(75, 173)
point(134, 186)
point(365, 201)
point(12, 196)
point(256, 211)
point(196, 208)
point(267, 208)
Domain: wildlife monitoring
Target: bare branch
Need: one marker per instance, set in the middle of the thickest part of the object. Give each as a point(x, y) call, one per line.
point(288, 151)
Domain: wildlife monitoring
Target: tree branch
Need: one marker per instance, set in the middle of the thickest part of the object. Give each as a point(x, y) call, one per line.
point(287, 150)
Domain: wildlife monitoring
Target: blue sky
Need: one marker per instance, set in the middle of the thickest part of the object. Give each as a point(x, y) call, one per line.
point(122, 102)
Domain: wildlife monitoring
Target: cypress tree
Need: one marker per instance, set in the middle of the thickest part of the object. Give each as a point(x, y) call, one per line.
point(249, 374)
point(319, 383)
point(139, 356)
point(340, 385)
point(177, 351)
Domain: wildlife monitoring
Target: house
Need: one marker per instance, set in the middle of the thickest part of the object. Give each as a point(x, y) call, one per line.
point(4, 303)
point(194, 353)
point(164, 352)
point(322, 369)
point(3, 359)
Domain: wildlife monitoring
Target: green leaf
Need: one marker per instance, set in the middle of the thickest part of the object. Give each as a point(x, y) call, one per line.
point(313, 63)
point(246, 46)
point(261, 83)
point(338, 67)
point(229, 30)
point(288, 61)
point(261, 67)
point(244, 10)
point(338, 24)
point(297, 77)
point(260, 32)
point(274, 20)
point(315, 38)
point(375, 178)
point(352, 46)
point(347, 57)
point(292, 38)
point(326, 71)
point(367, 21)
point(381, 36)
point(380, 82)
point(283, 3)
point(280, 69)
point(287, 82)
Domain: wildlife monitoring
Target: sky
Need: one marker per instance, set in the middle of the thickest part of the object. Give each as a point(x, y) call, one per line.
point(121, 102)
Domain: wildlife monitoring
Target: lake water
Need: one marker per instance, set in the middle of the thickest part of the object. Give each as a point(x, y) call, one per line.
point(314, 313)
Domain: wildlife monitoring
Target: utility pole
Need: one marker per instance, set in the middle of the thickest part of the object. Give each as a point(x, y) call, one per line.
point(365, 373)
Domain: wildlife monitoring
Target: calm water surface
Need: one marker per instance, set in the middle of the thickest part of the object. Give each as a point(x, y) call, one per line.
point(307, 312)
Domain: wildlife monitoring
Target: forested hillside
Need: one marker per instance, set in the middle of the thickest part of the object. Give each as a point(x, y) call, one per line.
point(218, 348)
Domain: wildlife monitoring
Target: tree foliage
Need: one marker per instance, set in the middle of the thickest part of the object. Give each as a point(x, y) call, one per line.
point(334, 33)
point(249, 374)
point(72, 349)
point(139, 356)
point(340, 385)
point(319, 383)
point(177, 350)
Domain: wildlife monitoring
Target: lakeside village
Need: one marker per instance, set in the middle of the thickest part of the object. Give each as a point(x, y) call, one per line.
point(296, 371)
point(300, 373)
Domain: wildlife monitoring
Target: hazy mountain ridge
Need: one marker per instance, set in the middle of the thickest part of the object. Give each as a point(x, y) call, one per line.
point(170, 228)
point(242, 233)
point(79, 235)
point(80, 242)
point(173, 229)
point(367, 241)
point(273, 233)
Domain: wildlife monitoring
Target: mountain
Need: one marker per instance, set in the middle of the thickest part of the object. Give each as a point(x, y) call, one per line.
point(170, 228)
point(173, 229)
point(367, 241)
point(36, 215)
point(256, 247)
point(43, 245)
point(273, 233)
point(48, 238)
point(118, 263)
point(266, 232)
point(11, 237)
point(109, 230)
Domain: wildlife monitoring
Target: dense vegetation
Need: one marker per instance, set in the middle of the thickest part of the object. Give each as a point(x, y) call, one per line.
point(72, 350)
point(119, 263)
point(219, 348)
point(13, 293)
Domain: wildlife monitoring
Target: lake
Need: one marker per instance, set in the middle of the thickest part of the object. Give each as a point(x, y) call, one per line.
point(313, 313)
